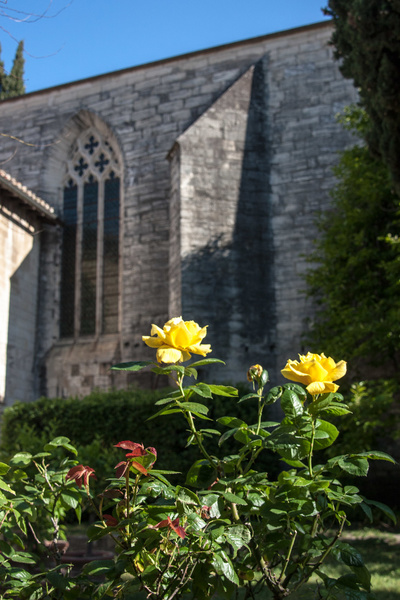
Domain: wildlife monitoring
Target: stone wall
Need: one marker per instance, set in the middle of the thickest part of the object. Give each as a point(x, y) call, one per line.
point(218, 231)
point(19, 270)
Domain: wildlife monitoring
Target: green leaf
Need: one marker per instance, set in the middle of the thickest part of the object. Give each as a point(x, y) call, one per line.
point(60, 441)
point(19, 574)
point(233, 498)
point(367, 511)
point(187, 496)
point(201, 389)
point(98, 567)
point(189, 372)
point(201, 474)
point(242, 436)
point(194, 407)
point(348, 555)
point(132, 366)
point(227, 435)
point(57, 580)
point(247, 397)
point(267, 424)
point(223, 566)
point(24, 557)
point(4, 468)
point(291, 405)
point(230, 421)
point(385, 509)
point(375, 455)
point(223, 390)
point(294, 463)
point(4, 486)
point(363, 576)
point(298, 389)
point(168, 369)
point(78, 512)
point(165, 401)
point(21, 459)
point(326, 428)
point(336, 411)
point(210, 431)
point(294, 452)
point(71, 497)
point(274, 394)
point(164, 411)
point(237, 536)
point(354, 466)
point(206, 361)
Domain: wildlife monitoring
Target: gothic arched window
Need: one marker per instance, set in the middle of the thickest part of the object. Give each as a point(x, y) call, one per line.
point(90, 254)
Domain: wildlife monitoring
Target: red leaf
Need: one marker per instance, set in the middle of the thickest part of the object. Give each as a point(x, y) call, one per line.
point(121, 468)
point(139, 467)
point(127, 445)
point(110, 521)
point(177, 528)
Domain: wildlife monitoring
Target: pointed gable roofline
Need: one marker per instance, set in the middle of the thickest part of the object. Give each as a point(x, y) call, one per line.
point(262, 38)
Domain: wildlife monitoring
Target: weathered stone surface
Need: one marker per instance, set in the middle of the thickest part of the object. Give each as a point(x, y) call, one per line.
point(217, 232)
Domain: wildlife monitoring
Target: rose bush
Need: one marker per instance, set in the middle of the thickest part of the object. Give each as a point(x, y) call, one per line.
point(231, 527)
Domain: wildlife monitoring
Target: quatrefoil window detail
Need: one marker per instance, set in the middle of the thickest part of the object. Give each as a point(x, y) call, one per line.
point(92, 155)
point(91, 145)
point(102, 162)
point(81, 167)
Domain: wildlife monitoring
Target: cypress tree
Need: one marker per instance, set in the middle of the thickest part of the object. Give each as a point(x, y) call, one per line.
point(13, 84)
point(16, 86)
point(367, 41)
point(2, 78)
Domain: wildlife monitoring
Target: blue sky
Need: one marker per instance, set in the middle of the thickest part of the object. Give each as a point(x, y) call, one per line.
point(82, 38)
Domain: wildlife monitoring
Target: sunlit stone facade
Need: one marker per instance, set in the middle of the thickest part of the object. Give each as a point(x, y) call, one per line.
point(223, 158)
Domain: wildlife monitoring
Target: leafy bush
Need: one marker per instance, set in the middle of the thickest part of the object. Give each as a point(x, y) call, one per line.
point(355, 279)
point(230, 530)
point(98, 421)
point(373, 420)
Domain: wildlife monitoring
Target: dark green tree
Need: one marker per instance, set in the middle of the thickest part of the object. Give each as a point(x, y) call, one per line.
point(356, 280)
point(12, 84)
point(367, 41)
point(2, 74)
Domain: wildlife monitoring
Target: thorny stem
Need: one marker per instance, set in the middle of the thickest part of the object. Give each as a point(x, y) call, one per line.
point(287, 559)
point(189, 419)
point(278, 590)
point(324, 555)
point(260, 409)
point(5, 517)
point(310, 454)
point(127, 492)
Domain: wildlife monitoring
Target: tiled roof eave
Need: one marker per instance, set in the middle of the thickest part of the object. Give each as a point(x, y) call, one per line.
point(44, 210)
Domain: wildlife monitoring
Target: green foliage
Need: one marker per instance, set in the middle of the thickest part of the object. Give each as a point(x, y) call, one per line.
point(367, 42)
point(95, 423)
point(372, 421)
point(356, 280)
point(230, 528)
point(13, 84)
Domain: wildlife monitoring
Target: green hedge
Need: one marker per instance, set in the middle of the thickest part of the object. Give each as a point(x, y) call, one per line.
point(98, 421)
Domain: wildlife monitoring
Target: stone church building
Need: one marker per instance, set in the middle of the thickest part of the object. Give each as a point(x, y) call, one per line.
point(188, 186)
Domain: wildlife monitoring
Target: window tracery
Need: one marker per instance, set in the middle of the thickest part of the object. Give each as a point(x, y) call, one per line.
point(90, 256)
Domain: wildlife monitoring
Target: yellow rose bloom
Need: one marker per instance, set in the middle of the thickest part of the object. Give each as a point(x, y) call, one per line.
point(316, 372)
point(176, 340)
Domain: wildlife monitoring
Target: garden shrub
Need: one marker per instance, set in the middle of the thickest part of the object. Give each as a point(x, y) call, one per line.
point(98, 421)
point(373, 421)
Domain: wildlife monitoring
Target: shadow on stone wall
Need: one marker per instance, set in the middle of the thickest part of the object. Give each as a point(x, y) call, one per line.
point(252, 241)
point(236, 278)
